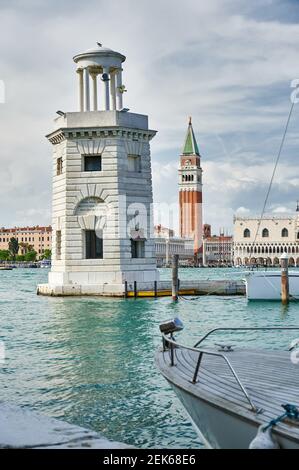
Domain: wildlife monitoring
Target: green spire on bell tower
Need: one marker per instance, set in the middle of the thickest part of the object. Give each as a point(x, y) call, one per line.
point(190, 145)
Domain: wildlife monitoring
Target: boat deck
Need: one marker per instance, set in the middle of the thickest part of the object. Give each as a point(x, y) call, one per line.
point(269, 377)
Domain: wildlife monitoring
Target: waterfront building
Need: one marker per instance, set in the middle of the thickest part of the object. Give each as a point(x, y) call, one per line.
point(102, 187)
point(34, 238)
point(166, 247)
point(218, 250)
point(190, 192)
point(263, 241)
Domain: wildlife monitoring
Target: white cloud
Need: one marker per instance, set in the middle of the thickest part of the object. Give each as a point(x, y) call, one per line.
point(219, 61)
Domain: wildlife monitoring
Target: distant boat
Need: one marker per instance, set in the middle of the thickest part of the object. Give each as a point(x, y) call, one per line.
point(45, 263)
point(230, 392)
point(6, 268)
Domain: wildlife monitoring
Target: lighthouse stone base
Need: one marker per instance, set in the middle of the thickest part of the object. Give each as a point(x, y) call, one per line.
point(91, 283)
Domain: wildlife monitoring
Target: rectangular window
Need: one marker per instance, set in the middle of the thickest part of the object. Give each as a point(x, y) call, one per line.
point(93, 245)
point(137, 248)
point(134, 163)
point(92, 163)
point(59, 166)
point(58, 244)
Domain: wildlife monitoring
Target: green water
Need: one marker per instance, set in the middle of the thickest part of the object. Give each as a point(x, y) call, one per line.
point(90, 361)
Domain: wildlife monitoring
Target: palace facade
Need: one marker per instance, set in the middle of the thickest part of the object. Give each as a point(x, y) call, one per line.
point(263, 241)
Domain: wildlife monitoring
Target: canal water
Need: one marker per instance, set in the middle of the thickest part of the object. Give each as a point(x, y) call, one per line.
point(90, 361)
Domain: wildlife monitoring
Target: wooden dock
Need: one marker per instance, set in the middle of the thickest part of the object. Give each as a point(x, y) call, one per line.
point(200, 287)
point(146, 289)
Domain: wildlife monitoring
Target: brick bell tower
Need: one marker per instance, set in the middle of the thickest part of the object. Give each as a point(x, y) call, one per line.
point(190, 192)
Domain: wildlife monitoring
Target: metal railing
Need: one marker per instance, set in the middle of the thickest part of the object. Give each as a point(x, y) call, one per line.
point(171, 344)
point(174, 344)
point(245, 329)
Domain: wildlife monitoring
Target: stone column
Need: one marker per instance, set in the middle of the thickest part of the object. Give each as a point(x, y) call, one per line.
point(113, 90)
point(81, 91)
point(95, 90)
point(106, 90)
point(119, 94)
point(87, 94)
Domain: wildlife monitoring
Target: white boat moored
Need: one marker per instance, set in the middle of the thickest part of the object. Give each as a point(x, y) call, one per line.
point(266, 285)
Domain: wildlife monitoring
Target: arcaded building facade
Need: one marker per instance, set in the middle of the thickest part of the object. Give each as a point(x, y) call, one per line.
point(264, 241)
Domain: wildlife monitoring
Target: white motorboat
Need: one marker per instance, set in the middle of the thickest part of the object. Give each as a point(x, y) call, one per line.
point(230, 393)
point(266, 285)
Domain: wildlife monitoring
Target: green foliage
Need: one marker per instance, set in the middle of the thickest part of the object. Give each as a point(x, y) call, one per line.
point(30, 256)
point(47, 254)
point(20, 258)
point(4, 255)
point(13, 246)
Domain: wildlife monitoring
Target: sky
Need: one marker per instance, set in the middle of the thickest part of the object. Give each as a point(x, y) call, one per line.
point(227, 63)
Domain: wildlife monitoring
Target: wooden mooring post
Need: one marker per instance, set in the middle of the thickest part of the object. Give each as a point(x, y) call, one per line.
point(284, 278)
point(175, 281)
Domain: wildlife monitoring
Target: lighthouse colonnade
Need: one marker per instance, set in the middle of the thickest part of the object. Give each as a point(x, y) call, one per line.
point(92, 96)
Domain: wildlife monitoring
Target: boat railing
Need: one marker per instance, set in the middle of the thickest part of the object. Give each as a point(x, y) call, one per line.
point(265, 328)
point(170, 343)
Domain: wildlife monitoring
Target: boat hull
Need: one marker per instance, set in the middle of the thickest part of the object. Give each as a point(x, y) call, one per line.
point(267, 285)
point(220, 428)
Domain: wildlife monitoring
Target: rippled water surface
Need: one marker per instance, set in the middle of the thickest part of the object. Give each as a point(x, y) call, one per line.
point(90, 361)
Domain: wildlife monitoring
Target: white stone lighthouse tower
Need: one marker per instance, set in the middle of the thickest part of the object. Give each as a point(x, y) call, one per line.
point(102, 187)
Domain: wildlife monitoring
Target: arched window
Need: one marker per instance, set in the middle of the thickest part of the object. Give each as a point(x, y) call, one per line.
point(284, 232)
point(246, 233)
point(265, 233)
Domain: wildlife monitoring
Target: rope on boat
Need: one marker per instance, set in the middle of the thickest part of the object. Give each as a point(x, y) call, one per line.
point(291, 412)
point(264, 438)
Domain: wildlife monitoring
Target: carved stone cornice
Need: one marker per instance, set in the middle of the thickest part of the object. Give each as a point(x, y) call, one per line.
point(140, 135)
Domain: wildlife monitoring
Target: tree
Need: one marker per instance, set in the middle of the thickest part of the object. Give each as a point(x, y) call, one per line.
point(30, 256)
point(26, 247)
point(4, 255)
point(13, 246)
point(47, 254)
point(20, 258)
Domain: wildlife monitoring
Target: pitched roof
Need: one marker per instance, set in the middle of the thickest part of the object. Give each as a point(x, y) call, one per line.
point(190, 145)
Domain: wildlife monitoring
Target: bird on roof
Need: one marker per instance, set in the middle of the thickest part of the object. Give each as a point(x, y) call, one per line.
point(99, 44)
